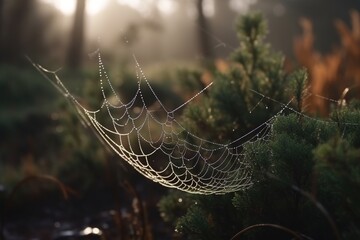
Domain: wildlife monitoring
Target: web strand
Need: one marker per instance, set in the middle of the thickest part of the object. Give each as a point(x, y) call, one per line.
point(162, 149)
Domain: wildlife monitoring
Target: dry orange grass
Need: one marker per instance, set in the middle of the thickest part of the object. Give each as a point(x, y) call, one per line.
point(331, 74)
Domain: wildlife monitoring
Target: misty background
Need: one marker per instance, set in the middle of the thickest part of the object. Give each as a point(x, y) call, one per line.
point(155, 30)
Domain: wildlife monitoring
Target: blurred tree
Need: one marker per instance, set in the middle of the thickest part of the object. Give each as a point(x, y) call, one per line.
point(15, 25)
point(76, 43)
point(204, 40)
point(1, 29)
point(25, 29)
point(283, 16)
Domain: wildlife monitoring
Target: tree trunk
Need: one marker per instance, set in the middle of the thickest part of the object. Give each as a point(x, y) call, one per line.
point(204, 41)
point(13, 26)
point(76, 43)
point(1, 30)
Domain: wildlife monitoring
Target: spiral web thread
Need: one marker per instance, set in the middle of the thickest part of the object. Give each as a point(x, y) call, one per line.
point(160, 148)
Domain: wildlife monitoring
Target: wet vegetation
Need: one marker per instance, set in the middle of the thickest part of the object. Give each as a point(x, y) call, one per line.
point(57, 181)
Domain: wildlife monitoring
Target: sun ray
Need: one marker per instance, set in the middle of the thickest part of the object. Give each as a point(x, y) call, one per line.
point(67, 7)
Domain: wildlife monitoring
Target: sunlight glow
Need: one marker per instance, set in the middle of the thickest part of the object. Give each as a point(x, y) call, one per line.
point(95, 6)
point(67, 7)
point(142, 6)
point(164, 6)
point(209, 8)
point(241, 6)
point(131, 3)
point(167, 6)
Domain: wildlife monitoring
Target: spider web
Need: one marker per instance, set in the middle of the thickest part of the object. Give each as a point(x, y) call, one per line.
point(158, 146)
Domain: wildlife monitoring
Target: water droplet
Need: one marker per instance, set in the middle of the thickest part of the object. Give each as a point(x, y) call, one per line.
point(87, 231)
point(96, 231)
point(180, 200)
point(250, 112)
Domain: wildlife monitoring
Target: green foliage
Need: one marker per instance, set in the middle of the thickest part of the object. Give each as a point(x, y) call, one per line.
point(349, 115)
point(197, 223)
point(231, 106)
point(338, 168)
point(21, 97)
point(306, 166)
point(175, 205)
point(299, 86)
point(204, 218)
point(33, 117)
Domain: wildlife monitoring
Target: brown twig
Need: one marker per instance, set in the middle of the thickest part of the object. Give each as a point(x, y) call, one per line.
point(142, 211)
point(316, 203)
point(111, 177)
point(284, 229)
point(65, 191)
